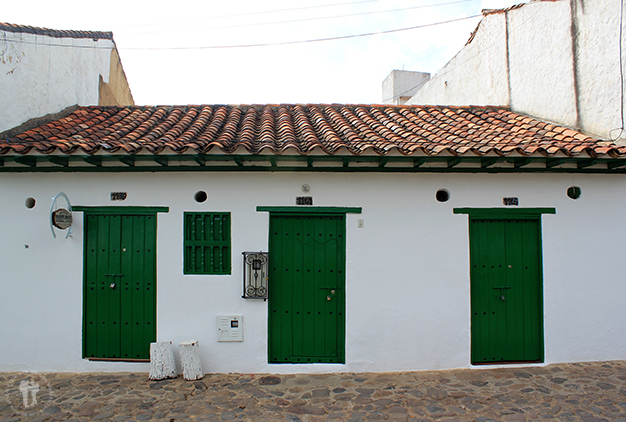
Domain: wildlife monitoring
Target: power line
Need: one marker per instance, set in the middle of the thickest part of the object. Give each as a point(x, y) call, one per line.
point(304, 19)
point(263, 12)
point(343, 37)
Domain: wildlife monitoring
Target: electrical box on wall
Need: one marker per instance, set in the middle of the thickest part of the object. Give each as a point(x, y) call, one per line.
point(230, 328)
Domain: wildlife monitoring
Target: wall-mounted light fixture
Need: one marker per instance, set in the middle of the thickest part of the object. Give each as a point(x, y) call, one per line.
point(255, 275)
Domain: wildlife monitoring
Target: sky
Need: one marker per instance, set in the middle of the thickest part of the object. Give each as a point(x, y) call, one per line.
point(179, 52)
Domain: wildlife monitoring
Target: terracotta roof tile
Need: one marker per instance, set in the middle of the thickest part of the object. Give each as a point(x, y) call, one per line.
point(94, 35)
point(409, 130)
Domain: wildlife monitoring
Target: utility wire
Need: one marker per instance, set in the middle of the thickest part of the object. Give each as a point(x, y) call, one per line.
point(343, 37)
point(263, 12)
point(303, 19)
point(21, 41)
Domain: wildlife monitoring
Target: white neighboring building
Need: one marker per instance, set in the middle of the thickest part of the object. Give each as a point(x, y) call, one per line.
point(401, 85)
point(556, 60)
point(45, 71)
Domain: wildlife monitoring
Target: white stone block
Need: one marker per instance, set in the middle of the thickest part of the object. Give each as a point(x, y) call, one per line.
point(190, 360)
point(162, 363)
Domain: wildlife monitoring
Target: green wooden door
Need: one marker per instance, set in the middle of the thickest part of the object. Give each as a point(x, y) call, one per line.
point(506, 290)
point(306, 292)
point(119, 286)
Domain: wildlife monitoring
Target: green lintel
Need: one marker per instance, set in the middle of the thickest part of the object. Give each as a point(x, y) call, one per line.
point(418, 162)
point(487, 162)
point(89, 210)
point(504, 212)
point(615, 164)
point(129, 160)
point(94, 161)
point(27, 161)
point(453, 162)
point(554, 162)
point(59, 161)
point(162, 163)
point(587, 163)
point(306, 209)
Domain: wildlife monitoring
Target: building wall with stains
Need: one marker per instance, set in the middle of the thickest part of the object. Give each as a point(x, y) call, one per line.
point(556, 60)
point(41, 75)
point(407, 268)
point(476, 75)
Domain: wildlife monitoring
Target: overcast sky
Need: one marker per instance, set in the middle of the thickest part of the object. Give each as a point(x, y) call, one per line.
point(183, 51)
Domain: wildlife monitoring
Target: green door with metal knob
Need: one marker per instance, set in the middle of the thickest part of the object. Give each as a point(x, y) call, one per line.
point(506, 290)
point(307, 288)
point(119, 310)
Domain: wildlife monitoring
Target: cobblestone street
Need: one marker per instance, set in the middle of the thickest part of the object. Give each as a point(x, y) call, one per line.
point(587, 392)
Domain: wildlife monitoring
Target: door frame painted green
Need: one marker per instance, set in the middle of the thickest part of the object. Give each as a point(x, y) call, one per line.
point(115, 211)
point(341, 290)
point(501, 214)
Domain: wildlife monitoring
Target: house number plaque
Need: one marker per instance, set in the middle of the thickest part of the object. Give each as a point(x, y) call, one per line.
point(118, 196)
point(304, 200)
point(510, 201)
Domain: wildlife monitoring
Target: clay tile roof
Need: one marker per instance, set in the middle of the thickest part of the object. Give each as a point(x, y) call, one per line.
point(94, 35)
point(300, 129)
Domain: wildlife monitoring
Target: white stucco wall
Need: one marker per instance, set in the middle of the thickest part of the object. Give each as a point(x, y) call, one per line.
point(541, 63)
point(543, 79)
point(477, 75)
point(599, 66)
point(40, 75)
point(407, 275)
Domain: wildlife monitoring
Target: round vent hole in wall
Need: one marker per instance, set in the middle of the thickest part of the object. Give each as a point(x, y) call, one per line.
point(200, 196)
point(442, 195)
point(574, 192)
point(30, 203)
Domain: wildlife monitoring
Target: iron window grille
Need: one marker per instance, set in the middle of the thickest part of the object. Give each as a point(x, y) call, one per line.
point(255, 275)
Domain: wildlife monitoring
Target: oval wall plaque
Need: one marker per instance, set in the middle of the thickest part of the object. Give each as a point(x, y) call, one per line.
point(62, 219)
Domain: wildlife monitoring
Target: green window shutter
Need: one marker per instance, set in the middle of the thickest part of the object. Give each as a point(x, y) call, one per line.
point(207, 243)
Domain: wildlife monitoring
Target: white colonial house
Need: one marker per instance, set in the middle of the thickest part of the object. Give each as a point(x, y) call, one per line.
point(375, 238)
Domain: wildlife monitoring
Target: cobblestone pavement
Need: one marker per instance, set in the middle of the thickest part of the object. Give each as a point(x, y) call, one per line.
point(587, 392)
